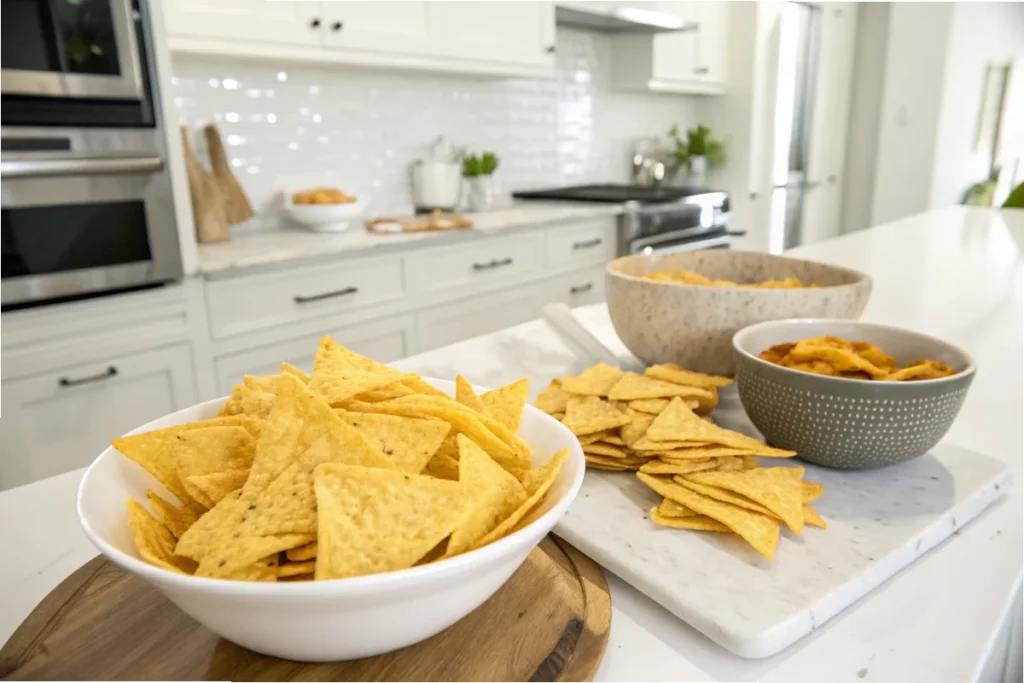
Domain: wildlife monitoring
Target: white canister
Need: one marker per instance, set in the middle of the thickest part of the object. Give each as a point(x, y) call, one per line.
point(436, 185)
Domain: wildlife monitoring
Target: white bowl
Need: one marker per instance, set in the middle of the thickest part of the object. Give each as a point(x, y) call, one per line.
point(325, 217)
point(328, 620)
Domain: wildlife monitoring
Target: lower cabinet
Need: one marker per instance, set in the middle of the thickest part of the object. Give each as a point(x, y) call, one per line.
point(60, 420)
point(383, 340)
point(450, 323)
point(580, 288)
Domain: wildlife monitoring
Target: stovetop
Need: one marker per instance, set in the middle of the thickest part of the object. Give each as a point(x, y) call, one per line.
point(614, 194)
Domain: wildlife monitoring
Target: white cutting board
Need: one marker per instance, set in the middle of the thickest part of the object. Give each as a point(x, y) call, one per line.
point(879, 521)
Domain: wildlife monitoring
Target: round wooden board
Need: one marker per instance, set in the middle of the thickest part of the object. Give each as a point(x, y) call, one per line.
point(549, 622)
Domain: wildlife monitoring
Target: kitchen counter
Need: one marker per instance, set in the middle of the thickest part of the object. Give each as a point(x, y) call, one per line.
point(285, 244)
point(957, 274)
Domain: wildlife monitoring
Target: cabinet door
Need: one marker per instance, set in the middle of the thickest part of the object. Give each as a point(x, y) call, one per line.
point(501, 32)
point(383, 26)
point(711, 47)
point(451, 323)
point(580, 288)
point(831, 102)
point(58, 421)
point(250, 20)
point(675, 54)
point(820, 219)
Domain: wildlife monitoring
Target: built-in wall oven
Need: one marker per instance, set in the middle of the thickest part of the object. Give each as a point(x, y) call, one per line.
point(87, 205)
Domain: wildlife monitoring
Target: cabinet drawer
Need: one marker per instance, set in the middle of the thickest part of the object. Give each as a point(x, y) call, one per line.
point(384, 341)
point(579, 288)
point(60, 420)
point(450, 323)
point(260, 301)
point(581, 245)
point(488, 262)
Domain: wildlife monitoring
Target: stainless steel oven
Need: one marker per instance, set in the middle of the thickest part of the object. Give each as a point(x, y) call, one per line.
point(84, 211)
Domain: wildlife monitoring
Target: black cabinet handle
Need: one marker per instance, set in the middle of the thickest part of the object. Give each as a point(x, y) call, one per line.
point(701, 70)
point(587, 244)
point(550, 49)
point(325, 295)
point(315, 23)
point(581, 289)
point(111, 371)
point(493, 263)
point(336, 26)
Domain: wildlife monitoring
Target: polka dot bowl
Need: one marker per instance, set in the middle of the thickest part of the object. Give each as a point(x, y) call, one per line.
point(849, 423)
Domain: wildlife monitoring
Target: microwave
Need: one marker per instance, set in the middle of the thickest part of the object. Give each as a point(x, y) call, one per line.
point(81, 49)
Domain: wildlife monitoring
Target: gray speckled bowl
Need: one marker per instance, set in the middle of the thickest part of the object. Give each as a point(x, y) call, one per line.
point(693, 325)
point(849, 423)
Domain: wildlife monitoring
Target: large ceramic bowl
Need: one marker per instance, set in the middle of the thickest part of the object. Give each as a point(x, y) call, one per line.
point(328, 620)
point(849, 423)
point(693, 325)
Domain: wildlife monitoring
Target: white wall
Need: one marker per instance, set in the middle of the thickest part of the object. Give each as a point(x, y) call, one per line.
point(981, 32)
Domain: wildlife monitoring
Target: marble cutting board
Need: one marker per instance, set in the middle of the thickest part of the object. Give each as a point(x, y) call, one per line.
point(879, 521)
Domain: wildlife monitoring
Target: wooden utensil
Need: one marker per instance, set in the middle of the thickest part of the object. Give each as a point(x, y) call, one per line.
point(549, 622)
point(236, 203)
point(208, 210)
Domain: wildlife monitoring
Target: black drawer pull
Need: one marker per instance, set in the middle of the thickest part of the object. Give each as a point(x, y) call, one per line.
point(315, 23)
point(589, 243)
point(581, 289)
point(111, 371)
point(325, 295)
point(493, 263)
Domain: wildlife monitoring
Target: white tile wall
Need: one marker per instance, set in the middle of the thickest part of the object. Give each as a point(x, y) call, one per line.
point(366, 126)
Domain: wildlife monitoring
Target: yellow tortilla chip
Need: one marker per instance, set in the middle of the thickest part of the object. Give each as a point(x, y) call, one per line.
point(339, 374)
point(537, 485)
point(618, 463)
point(298, 372)
point(637, 427)
point(651, 406)
point(493, 493)
point(812, 517)
point(731, 463)
point(613, 439)
point(633, 386)
point(671, 508)
point(606, 450)
point(593, 438)
point(723, 495)
point(255, 403)
point(661, 467)
point(594, 381)
point(465, 395)
point(302, 553)
point(509, 437)
point(361, 507)
point(266, 383)
point(296, 569)
point(588, 415)
point(176, 519)
point(442, 466)
point(225, 561)
point(670, 372)
point(209, 489)
point(505, 404)
point(553, 399)
point(694, 522)
point(608, 468)
point(154, 541)
point(214, 449)
point(233, 406)
point(776, 488)
point(759, 531)
point(408, 442)
point(810, 490)
point(384, 393)
point(678, 423)
point(420, 386)
point(679, 449)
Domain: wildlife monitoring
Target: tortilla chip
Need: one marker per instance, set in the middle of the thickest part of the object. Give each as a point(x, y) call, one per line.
point(776, 488)
point(408, 442)
point(637, 427)
point(693, 522)
point(588, 415)
point(292, 370)
point(340, 374)
point(266, 383)
point(759, 531)
point(683, 449)
point(671, 508)
point(176, 519)
point(613, 439)
point(233, 406)
point(594, 438)
point(594, 381)
point(652, 406)
point(661, 467)
point(607, 462)
point(442, 466)
point(505, 404)
point(209, 489)
point(812, 517)
point(811, 490)
point(296, 569)
point(465, 395)
point(633, 386)
point(154, 541)
point(494, 494)
point(678, 423)
point(553, 399)
point(729, 463)
point(214, 449)
point(302, 553)
point(839, 358)
point(723, 495)
point(537, 484)
point(361, 508)
point(670, 372)
point(384, 393)
point(606, 450)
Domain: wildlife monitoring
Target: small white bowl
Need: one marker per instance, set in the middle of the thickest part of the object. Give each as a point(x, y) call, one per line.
point(337, 620)
point(324, 217)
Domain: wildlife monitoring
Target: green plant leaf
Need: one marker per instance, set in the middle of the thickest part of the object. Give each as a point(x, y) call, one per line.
point(471, 165)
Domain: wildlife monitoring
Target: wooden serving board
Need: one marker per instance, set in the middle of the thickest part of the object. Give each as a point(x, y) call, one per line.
point(549, 622)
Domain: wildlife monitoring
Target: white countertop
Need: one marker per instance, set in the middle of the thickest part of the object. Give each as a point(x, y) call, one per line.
point(289, 242)
point(956, 274)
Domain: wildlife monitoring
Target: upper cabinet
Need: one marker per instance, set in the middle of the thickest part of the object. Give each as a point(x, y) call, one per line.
point(692, 61)
point(501, 38)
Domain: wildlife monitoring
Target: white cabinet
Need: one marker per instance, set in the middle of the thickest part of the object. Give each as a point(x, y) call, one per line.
point(61, 419)
point(450, 323)
point(711, 40)
point(504, 32)
point(478, 265)
point(401, 27)
point(283, 23)
point(578, 289)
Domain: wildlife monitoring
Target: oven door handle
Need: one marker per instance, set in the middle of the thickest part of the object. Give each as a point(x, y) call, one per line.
point(42, 168)
point(694, 245)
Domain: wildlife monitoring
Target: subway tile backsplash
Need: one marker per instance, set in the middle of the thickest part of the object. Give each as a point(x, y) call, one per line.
point(361, 128)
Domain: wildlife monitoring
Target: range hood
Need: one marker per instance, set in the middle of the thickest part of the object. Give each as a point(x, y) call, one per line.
point(609, 18)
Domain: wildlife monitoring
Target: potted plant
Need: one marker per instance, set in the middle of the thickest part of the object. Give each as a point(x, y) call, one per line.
point(478, 170)
point(697, 152)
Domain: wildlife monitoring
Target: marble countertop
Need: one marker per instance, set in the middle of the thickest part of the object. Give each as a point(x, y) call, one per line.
point(957, 274)
point(291, 243)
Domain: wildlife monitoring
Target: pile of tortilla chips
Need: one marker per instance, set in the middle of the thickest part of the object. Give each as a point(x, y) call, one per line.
point(837, 357)
point(681, 276)
point(709, 477)
point(358, 469)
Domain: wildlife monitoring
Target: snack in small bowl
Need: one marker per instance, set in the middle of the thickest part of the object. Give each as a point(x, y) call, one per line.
point(849, 404)
point(323, 209)
point(336, 516)
point(665, 312)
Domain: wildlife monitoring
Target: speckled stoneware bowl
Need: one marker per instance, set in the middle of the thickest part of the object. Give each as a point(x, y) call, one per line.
point(849, 423)
point(693, 325)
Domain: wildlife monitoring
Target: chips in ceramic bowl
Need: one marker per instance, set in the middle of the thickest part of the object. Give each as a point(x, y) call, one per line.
point(332, 516)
